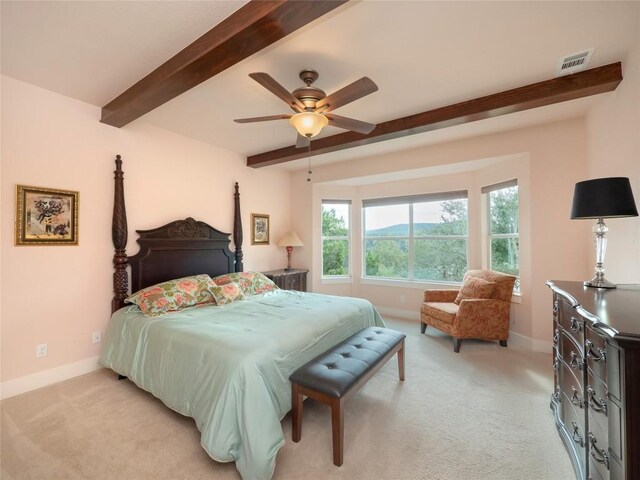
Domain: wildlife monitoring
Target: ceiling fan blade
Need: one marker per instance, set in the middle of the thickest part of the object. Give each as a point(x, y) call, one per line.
point(351, 92)
point(302, 141)
point(350, 123)
point(268, 82)
point(262, 119)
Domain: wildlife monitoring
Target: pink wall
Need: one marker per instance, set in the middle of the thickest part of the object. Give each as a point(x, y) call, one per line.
point(59, 295)
point(613, 149)
point(553, 245)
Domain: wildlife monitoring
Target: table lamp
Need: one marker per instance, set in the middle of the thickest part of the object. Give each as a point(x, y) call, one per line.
point(599, 199)
point(290, 240)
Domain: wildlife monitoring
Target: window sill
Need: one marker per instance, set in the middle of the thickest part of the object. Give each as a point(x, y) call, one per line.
point(388, 282)
point(335, 280)
point(516, 298)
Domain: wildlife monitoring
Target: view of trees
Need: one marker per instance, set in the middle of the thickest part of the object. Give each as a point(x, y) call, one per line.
point(439, 248)
point(335, 252)
point(434, 258)
point(504, 224)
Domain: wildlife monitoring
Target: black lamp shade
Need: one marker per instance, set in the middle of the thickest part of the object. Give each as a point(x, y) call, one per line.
point(603, 198)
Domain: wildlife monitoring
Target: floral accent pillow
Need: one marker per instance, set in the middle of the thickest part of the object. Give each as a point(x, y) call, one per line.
point(172, 295)
point(227, 293)
point(252, 283)
point(474, 287)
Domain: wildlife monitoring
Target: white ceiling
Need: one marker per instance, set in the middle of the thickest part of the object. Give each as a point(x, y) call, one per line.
point(422, 55)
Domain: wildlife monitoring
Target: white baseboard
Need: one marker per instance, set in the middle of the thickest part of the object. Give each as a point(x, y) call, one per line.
point(399, 313)
point(519, 340)
point(515, 339)
point(14, 387)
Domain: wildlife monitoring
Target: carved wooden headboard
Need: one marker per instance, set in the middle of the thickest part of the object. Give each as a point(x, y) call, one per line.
point(177, 249)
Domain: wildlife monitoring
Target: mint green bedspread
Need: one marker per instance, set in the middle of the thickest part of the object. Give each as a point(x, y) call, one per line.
point(228, 367)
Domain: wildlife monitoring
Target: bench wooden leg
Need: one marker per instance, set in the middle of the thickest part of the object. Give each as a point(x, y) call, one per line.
point(337, 427)
point(423, 327)
point(456, 344)
point(401, 362)
point(296, 413)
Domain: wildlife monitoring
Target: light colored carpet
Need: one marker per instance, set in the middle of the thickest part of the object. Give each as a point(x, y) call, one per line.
point(480, 414)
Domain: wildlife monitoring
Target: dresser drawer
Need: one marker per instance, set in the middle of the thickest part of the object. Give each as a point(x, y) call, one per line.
point(598, 448)
point(571, 385)
point(570, 352)
point(574, 421)
point(614, 375)
point(616, 431)
point(571, 322)
point(596, 353)
point(597, 399)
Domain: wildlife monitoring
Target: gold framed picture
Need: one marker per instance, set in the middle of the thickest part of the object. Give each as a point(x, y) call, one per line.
point(46, 216)
point(259, 229)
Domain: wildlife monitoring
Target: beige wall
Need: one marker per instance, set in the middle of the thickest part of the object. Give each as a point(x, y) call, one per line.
point(613, 149)
point(59, 295)
point(547, 160)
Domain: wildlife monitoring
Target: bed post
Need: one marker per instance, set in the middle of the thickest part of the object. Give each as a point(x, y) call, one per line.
point(237, 229)
point(119, 232)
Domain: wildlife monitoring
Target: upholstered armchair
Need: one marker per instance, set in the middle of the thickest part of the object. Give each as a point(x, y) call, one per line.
point(459, 314)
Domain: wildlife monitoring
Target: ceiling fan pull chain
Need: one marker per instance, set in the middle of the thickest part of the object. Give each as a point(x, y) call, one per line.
point(309, 172)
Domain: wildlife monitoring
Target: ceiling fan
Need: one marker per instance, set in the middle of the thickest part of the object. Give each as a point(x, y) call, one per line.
point(312, 105)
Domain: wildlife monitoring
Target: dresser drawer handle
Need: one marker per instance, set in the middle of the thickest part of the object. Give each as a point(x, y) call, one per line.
point(597, 354)
point(556, 337)
point(575, 361)
point(597, 405)
point(575, 399)
point(576, 325)
point(576, 435)
point(599, 455)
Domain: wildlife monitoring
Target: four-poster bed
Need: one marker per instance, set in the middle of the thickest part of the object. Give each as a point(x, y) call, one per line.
point(226, 366)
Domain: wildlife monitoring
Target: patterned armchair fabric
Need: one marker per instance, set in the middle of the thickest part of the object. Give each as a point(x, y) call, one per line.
point(486, 319)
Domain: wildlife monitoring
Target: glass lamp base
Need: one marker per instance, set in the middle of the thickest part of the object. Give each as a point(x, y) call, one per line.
point(599, 283)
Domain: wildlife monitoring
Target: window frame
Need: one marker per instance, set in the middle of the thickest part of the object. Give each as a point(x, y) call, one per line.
point(410, 201)
point(486, 191)
point(336, 237)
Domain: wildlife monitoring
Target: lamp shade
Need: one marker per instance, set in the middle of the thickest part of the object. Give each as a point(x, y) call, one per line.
point(308, 124)
point(290, 239)
point(603, 198)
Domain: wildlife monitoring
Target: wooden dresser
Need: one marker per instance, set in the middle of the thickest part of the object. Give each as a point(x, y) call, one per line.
point(596, 365)
point(289, 279)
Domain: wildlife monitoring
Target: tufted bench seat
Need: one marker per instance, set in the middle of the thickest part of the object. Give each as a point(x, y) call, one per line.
point(338, 373)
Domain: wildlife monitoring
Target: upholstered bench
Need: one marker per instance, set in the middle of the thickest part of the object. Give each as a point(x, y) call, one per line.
point(338, 373)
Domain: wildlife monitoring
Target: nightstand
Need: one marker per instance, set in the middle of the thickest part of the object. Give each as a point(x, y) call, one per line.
point(293, 279)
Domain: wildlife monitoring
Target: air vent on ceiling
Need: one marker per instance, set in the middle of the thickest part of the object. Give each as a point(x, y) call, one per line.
point(574, 62)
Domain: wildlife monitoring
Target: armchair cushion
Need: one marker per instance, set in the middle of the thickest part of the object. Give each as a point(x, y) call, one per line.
point(475, 287)
point(443, 311)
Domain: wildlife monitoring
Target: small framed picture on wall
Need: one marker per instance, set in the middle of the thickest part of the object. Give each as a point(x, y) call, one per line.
point(259, 229)
point(46, 216)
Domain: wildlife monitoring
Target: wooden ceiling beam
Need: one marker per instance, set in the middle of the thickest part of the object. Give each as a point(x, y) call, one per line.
point(253, 27)
point(570, 87)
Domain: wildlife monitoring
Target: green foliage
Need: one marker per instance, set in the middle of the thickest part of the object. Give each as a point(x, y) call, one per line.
point(434, 259)
point(332, 224)
point(335, 253)
point(504, 220)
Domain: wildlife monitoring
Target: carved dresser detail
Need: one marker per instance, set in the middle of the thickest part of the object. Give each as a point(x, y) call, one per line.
point(596, 368)
point(293, 279)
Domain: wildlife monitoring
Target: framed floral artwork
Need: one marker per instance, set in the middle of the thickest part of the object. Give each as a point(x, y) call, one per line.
point(259, 229)
point(46, 216)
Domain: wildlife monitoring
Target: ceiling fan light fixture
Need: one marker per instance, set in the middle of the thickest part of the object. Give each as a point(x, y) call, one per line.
point(308, 124)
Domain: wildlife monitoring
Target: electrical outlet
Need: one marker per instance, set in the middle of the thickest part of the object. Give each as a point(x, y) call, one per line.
point(41, 350)
point(96, 337)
